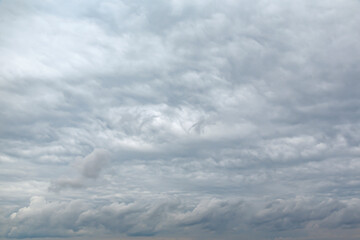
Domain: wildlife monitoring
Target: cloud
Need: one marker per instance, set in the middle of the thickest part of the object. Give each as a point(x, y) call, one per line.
point(89, 167)
point(138, 218)
point(145, 217)
point(64, 183)
point(296, 213)
point(212, 118)
point(40, 216)
point(92, 164)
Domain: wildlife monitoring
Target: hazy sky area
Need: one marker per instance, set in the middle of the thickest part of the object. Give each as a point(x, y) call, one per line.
point(180, 119)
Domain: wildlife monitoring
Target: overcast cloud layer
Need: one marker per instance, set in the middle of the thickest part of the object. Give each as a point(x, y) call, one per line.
point(181, 119)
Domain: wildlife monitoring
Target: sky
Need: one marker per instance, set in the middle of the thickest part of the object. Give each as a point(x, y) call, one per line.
point(180, 119)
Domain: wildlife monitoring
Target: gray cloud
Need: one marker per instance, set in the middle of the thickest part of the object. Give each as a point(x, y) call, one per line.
point(64, 183)
point(139, 218)
point(144, 217)
point(236, 119)
point(92, 164)
point(89, 167)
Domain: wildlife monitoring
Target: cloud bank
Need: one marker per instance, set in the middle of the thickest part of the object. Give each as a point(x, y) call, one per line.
point(179, 119)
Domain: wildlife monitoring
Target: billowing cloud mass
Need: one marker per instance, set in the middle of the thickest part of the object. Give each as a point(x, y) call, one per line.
point(180, 119)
